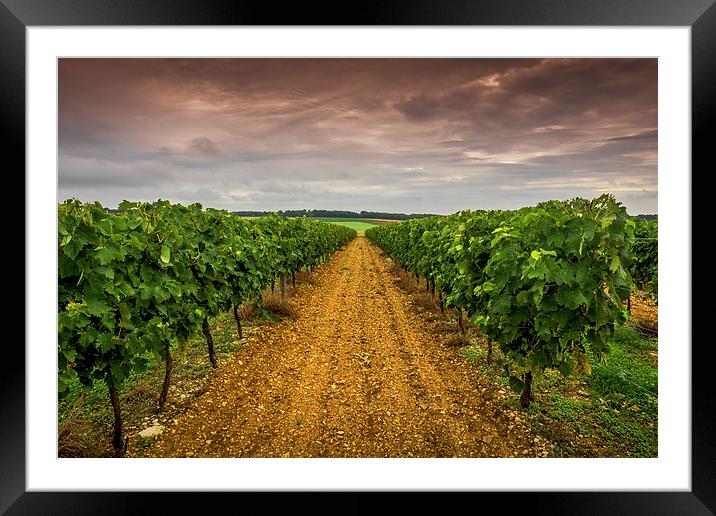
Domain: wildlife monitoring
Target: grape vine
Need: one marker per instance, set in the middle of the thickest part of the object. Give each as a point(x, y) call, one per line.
point(140, 281)
point(546, 283)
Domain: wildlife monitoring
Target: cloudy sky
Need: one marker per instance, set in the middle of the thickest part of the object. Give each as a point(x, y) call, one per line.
point(396, 135)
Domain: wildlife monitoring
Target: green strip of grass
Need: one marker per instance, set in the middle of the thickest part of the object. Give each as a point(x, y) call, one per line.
point(360, 225)
point(611, 413)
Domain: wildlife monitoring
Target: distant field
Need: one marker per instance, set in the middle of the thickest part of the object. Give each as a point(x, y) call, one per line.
point(360, 225)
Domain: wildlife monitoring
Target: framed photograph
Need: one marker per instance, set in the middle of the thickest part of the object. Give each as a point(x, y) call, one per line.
point(393, 114)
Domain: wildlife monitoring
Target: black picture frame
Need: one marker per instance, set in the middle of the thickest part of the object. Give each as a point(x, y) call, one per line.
point(17, 15)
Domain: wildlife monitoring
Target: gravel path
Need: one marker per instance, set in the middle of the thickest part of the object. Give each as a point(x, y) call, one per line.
point(357, 373)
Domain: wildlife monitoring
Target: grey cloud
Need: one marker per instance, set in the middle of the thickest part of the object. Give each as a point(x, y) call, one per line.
point(420, 107)
point(204, 145)
point(649, 136)
point(374, 134)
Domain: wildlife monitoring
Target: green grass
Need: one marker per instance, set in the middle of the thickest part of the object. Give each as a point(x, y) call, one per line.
point(360, 225)
point(611, 413)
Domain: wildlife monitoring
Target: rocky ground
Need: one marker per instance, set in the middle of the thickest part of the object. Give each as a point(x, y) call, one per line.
point(357, 372)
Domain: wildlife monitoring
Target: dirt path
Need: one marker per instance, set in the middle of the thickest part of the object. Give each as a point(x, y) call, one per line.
point(357, 373)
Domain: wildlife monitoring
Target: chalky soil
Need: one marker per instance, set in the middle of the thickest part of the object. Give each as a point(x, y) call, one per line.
point(357, 373)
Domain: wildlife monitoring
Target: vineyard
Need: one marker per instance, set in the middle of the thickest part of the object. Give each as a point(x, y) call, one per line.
point(145, 280)
point(545, 283)
point(550, 286)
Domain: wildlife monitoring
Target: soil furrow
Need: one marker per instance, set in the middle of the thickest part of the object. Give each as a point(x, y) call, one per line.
point(356, 373)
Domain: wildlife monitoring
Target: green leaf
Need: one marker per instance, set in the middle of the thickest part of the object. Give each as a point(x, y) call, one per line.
point(535, 255)
point(570, 298)
point(69, 354)
point(106, 255)
point(608, 220)
point(615, 263)
point(96, 307)
point(165, 254)
point(105, 342)
point(516, 383)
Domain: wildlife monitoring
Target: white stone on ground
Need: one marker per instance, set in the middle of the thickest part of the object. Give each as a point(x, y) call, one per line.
point(151, 431)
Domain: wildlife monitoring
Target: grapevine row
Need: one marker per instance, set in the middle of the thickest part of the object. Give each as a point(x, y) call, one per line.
point(142, 280)
point(546, 283)
point(644, 250)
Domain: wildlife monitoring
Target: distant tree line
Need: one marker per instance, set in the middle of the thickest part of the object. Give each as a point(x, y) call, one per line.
point(353, 214)
point(336, 214)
